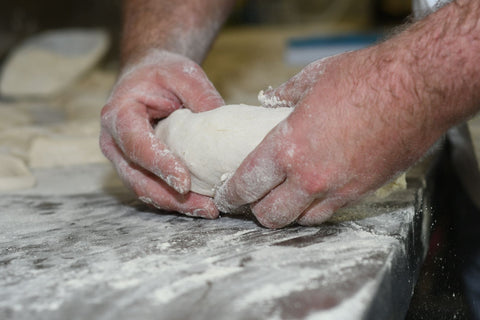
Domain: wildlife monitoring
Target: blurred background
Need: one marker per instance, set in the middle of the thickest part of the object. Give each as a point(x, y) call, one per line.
point(21, 18)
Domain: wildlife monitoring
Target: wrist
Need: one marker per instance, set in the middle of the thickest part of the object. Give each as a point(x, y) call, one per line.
point(183, 27)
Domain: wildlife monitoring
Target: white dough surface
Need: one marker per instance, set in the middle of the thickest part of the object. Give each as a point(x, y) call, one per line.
point(214, 143)
point(47, 63)
point(14, 174)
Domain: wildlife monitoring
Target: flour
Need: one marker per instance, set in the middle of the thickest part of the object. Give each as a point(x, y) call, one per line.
point(354, 305)
point(271, 101)
point(166, 294)
point(136, 261)
point(293, 282)
point(213, 144)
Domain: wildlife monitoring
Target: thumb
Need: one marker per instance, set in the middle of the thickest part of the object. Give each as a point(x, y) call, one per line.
point(291, 92)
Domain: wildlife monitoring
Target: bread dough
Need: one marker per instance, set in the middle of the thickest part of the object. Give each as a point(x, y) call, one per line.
point(213, 144)
point(63, 150)
point(47, 63)
point(11, 117)
point(14, 174)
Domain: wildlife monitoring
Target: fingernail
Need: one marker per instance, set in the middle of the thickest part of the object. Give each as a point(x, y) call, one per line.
point(202, 213)
point(198, 213)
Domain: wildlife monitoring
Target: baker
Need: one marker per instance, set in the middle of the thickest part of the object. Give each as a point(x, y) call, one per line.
point(360, 118)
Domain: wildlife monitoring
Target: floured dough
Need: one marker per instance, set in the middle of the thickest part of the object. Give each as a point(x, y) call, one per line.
point(11, 117)
point(62, 151)
point(213, 144)
point(14, 174)
point(47, 63)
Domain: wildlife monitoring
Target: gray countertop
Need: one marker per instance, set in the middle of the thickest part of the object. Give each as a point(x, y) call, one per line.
point(81, 247)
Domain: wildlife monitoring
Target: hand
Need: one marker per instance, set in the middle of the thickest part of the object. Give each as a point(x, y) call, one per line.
point(356, 124)
point(147, 91)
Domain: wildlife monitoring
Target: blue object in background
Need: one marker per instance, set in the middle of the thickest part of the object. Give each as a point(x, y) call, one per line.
point(303, 50)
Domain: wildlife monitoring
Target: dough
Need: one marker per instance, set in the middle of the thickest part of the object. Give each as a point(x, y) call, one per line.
point(86, 99)
point(18, 140)
point(47, 63)
point(213, 144)
point(63, 150)
point(14, 174)
point(11, 117)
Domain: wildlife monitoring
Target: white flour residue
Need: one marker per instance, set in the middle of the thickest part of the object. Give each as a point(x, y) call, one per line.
point(232, 239)
point(271, 101)
point(347, 251)
point(125, 283)
point(274, 290)
point(189, 283)
point(355, 305)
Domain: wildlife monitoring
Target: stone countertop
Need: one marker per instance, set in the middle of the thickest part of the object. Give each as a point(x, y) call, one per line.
point(81, 247)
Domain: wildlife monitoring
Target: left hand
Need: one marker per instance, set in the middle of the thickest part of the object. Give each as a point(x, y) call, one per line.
point(357, 123)
point(152, 88)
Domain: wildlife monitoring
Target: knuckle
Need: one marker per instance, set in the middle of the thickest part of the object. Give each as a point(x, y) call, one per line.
point(314, 184)
point(108, 116)
point(190, 68)
point(106, 110)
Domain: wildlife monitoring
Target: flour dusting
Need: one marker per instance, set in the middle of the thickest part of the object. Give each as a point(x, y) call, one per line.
point(270, 100)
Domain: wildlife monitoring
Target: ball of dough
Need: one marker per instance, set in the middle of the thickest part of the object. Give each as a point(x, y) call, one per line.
point(214, 143)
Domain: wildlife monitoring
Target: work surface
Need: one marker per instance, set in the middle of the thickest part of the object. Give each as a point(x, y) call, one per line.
point(94, 252)
point(79, 246)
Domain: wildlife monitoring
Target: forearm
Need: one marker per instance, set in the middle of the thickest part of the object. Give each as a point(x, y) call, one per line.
point(184, 27)
point(440, 70)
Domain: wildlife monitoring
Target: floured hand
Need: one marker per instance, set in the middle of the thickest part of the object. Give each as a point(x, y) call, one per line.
point(353, 128)
point(151, 89)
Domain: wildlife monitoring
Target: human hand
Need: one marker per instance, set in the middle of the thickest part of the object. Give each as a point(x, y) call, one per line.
point(356, 124)
point(146, 91)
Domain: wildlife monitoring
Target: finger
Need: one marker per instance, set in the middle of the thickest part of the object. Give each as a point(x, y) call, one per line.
point(155, 192)
point(255, 177)
point(291, 92)
point(133, 133)
point(159, 102)
point(320, 211)
point(182, 78)
point(282, 206)
point(193, 87)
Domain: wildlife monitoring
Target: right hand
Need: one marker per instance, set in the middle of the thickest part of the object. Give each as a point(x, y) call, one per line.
point(151, 89)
